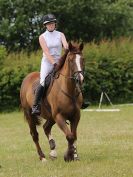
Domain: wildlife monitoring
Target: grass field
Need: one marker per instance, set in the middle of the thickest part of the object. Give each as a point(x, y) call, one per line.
point(105, 146)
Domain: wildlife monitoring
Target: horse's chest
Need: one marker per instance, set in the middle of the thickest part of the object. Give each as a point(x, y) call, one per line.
point(69, 110)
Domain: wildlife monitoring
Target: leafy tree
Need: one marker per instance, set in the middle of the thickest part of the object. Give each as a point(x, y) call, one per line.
point(87, 20)
point(20, 23)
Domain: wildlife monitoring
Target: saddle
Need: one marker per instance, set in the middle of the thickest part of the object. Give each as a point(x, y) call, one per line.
point(48, 82)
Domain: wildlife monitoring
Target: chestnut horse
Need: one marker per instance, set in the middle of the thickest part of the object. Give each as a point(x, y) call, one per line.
point(62, 102)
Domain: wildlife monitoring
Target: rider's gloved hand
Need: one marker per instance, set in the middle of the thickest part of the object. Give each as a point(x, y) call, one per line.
point(56, 67)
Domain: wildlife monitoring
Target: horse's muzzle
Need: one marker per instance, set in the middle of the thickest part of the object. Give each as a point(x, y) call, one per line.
point(79, 78)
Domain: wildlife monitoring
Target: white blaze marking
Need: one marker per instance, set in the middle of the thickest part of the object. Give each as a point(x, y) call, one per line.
point(78, 66)
point(78, 62)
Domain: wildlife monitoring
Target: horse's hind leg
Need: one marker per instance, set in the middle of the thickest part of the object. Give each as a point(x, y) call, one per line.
point(47, 129)
point(69, 155)
point(34, 134)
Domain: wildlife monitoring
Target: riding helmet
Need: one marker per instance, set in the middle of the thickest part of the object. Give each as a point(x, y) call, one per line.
point(49, 18)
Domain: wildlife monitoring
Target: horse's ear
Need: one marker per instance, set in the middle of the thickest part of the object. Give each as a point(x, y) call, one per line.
point(70, 46)
point(81, 46)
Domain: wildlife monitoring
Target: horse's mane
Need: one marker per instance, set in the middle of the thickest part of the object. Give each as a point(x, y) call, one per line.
point(63, 58)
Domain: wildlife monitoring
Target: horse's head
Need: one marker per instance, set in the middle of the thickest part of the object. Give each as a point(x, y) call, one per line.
point(76, 62)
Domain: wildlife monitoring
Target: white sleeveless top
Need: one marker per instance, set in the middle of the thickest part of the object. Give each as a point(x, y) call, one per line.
point(54, 43)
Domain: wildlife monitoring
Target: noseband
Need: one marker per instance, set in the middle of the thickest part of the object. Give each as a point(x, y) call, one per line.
point(75, 76)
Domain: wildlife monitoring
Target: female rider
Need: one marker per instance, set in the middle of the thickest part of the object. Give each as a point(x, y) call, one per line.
point(51, 42)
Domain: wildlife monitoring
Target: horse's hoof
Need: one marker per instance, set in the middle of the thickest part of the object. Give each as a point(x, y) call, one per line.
point(68, 158)
point(44, 160)
point(76, 159)
point(53, 154)
point(52, 158)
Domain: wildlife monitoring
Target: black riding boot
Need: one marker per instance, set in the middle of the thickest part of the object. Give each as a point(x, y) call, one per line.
point(36, 109)
point(85, 104)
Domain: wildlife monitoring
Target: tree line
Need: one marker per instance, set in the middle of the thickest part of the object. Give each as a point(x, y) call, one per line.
point(86, 20)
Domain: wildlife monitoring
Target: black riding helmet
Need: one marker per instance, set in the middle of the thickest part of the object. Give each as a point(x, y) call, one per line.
point(49, 18)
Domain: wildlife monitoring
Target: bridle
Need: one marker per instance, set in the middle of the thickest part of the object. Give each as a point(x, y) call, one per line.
point(76, 73)
point(74, 78)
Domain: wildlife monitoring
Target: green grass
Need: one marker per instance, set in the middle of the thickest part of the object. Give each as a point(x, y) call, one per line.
point(105, 146)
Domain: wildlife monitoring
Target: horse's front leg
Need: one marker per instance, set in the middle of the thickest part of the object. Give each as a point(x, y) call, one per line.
point(60, 120)
point(73, 125)
point(47, 129)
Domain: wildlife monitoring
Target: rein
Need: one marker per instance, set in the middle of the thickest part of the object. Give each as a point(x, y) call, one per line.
point(72, 77)
point(73, 98)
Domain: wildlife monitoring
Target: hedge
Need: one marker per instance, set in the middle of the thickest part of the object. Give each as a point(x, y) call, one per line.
point(13, 71)
point(109, 68)
point(113, 77)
